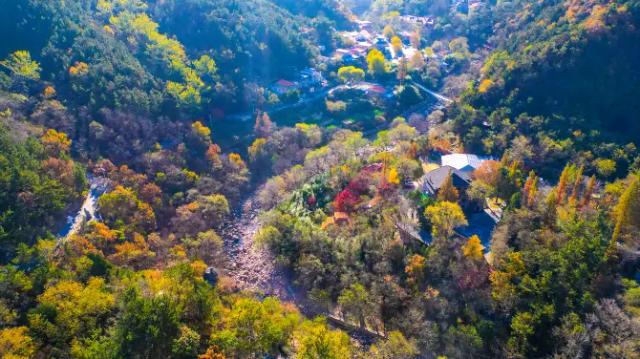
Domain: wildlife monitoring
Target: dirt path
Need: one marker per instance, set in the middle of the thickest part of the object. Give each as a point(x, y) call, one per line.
point(252, 267)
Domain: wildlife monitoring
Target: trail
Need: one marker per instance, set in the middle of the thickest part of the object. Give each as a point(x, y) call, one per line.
point(251, 266)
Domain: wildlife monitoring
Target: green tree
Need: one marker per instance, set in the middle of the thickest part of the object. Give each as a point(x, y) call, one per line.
point(356, 301)
point(147, 327)
point(21, 65)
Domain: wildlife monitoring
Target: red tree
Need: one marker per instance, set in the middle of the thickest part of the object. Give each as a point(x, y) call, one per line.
point(346, 201)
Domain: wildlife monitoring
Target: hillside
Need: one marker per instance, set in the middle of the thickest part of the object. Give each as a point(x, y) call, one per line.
point(564, 72)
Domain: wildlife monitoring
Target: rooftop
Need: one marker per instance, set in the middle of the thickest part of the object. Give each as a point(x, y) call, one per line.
point(462, 161)
point(436, 178)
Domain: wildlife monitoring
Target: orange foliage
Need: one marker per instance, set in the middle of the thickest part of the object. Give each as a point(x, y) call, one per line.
point(415, 269)
point(49, 92)
point(55, 142)
point(79, 69)
point(201, 130)
point(134, 253)
point(213, 156)
point(488, 172)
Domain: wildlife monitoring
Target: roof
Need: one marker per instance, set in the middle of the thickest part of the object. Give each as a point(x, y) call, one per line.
point(462, 161)
point(436, 178)
point(285, 83)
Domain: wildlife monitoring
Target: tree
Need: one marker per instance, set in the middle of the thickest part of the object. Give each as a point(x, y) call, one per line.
point(376, 63)
point(69, 310)
point(147, 326)
point(561, 187)
point(473, 248)
point(402, 70)
point(264, 126)
point(397, 46)
point(388, 32)
point(605, 167)
point(415, 270)
point(460, 45)
point(627, 211)
point(393, 177)
point(530, 190)
point(444, 218)
point(417, 62)
point(355, 301)
point(15, 343)
point(448, 192)
point(121, 208)
point(254, 328)
point(395, 347)
point(346, 201)
point(55, 142)
point(313, 339)
point(21, 65)
point(350, 74)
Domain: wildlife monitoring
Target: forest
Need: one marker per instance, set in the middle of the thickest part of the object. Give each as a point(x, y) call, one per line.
point(381, 179)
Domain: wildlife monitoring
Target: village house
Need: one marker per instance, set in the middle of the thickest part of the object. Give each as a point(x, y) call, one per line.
point(282, 87)
point(365, 25)
point(311, 78)
point(420, 21)
point(462, 161)
point(434, 180)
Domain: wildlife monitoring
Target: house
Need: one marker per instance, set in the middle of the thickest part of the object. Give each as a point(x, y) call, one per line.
point(364, 25)
point(424, 21)
point(281, 87)
point(462, 161)
point(311, 77)
point(433, 181)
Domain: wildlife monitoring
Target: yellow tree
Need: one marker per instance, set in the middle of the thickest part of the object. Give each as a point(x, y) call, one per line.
point(473, 248)
point(393, 177)
point(445, 217)
point(21, 65)
point(396, 44)
point(561, 188)
point(375, 63)
point(627, 211)
point(313, 339)
point(15, 343)
point(55, 142)
point(349, 74)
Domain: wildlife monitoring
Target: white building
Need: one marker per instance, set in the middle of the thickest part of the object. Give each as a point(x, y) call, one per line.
point(462, 161)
